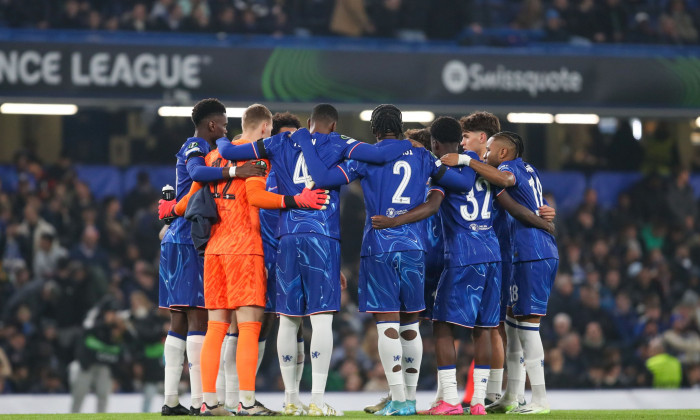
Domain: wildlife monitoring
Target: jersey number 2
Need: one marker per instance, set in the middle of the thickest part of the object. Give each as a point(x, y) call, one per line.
point(398, 198)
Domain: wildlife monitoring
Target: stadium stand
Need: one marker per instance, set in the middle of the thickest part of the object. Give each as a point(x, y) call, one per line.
point(78, 242)
point(469, 22)
point(629, 274)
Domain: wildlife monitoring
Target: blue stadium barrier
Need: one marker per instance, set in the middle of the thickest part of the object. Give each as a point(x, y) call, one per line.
point(567, 187)
point(8, 178)
point(102, 180)
point(609, 185)
point(695, 184)
point(159, 176)
point(346, 44)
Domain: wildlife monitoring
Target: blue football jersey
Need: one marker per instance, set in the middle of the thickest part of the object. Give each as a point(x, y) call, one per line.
point(333, 148)
point(179, 231)
point(269, 218)
point(433, 236)
point(292, 176)
point(467, 224)
point(502, 227)
point(529, 244)
point(392, 189)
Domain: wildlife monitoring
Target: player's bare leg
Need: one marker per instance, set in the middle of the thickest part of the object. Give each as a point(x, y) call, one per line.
point(268, 322)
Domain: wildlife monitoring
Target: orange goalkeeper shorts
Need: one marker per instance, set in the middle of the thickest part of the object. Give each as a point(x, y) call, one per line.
point(232, 281)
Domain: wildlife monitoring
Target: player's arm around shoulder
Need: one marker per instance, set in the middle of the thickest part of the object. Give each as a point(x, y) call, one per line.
point(523, 214)
point(420, 212)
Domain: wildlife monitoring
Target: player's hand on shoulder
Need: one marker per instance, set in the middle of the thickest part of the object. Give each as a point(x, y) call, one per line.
point(251, 168)
point(416, 143)
point(547, 213)
point(311, 199)
point(383, 222)
point(450, 159)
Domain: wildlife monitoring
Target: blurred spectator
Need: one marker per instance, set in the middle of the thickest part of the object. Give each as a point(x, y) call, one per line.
point(490, 22)
point(680, 200)
point(141, 196)
point(71, 16)
point(47, 256)
point(555, 27)
point(146, 331)
point(683, 339)
point(30, 231)
point(350, 19)
point(613, 16)
point(88, 251)
point(585, 21)
point(225, 21)
point(197, 21)
point(624, 152)
point(137, 19)
point(678, 23)
point(100, 349)
point(529, 15)
point(642, 31)
point(386, 17)
point(664, 368)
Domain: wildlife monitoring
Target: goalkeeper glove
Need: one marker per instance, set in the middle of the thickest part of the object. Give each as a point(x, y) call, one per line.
point(166, 210)
point(307, 199)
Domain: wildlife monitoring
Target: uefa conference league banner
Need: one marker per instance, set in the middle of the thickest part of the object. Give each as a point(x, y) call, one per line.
point(497, 77)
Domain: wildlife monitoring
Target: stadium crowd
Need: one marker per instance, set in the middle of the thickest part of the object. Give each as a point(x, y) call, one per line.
point(501, 22)
point(625, 310)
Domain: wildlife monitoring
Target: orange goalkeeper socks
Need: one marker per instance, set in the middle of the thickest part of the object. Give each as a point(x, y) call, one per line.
point(247, 354)
point(211, 353)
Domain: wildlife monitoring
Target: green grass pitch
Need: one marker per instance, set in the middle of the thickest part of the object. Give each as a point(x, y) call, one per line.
point(558, 414)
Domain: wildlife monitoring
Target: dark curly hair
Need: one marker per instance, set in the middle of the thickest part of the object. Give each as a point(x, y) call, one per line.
point(206, 108)
point(446, 130)
point(325, 114)
point(421, 135)
point(284, 119)
point(513, 138)
point(386, 119)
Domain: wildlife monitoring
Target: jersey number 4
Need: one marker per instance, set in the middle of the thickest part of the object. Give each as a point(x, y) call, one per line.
point(301, 172)
point(481, 184)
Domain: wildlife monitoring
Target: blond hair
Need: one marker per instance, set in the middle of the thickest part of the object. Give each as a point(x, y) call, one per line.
point(255, 115)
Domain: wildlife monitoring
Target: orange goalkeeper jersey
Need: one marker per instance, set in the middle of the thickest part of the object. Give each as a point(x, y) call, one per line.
point(238, 231)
